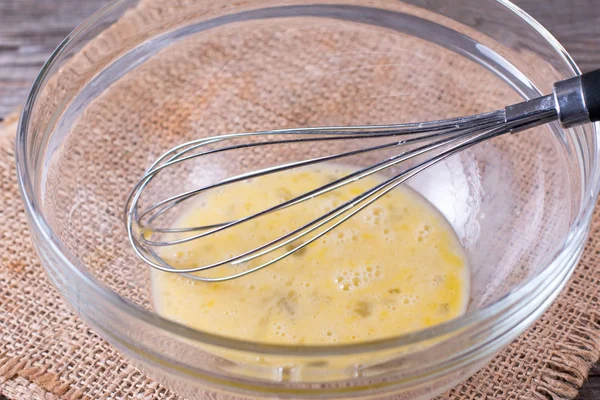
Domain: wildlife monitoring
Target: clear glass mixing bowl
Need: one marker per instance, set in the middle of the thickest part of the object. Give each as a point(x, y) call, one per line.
point(139, 77)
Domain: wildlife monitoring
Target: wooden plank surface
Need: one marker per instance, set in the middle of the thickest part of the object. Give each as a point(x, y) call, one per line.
point(591, 389)
point(31, 29)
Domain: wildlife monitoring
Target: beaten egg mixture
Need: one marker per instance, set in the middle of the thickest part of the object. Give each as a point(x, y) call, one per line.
point(395, 267)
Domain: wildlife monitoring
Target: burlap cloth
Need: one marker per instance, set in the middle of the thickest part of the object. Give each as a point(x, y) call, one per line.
point(47, 352)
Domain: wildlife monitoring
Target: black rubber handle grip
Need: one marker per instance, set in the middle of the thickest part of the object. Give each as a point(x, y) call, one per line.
point(590, 84)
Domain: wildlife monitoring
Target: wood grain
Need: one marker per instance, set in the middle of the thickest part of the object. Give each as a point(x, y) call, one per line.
point(575, 23)
point(591, 389)
point(31, 29)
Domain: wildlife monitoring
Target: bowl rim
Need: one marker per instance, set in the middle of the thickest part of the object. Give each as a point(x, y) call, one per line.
point(68, 261)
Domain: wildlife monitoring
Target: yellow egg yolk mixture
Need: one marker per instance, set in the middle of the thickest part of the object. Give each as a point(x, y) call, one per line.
point(395, 267)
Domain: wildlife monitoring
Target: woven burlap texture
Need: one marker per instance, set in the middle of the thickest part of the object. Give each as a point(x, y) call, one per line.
point(47, 352)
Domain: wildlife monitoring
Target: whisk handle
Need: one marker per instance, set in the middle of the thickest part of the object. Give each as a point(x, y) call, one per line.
point(590, 83)
point(578, 99)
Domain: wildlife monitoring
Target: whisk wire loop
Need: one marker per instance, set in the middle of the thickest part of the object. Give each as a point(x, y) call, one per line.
point(449, 131)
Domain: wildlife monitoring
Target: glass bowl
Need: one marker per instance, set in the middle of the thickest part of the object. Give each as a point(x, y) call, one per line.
point(139, 77)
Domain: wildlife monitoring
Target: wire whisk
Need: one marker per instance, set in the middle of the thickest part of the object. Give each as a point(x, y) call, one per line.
point(574, 101)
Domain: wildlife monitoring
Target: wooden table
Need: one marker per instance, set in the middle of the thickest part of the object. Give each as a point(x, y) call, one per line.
point(31, 29)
